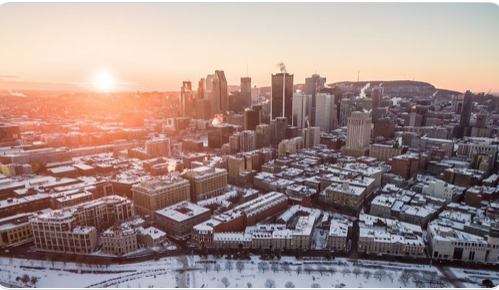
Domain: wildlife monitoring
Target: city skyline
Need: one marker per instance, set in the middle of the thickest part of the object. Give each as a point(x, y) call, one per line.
point(448, 45)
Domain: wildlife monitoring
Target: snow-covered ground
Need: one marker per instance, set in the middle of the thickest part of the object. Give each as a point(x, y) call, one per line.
point(190, 271)
point(475, 277)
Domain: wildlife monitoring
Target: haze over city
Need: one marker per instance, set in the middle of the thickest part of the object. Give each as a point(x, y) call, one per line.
point(225, 145)
point(157, 46)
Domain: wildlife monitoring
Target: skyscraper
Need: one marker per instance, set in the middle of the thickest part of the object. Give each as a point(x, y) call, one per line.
point(252, 118)
point(313, 85)
point(186, 99)
point(325, 116)
point(464, 121)
point(281, 100)
point(209, 87)
point(245, 92)
point(377, 96)
point(358, 134)
point(311, 136)
point(201, 88)
point(302, 107)
point(248, 141)
point(219, 102)
point(262, 136)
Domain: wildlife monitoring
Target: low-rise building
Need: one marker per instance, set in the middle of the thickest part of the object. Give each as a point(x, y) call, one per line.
point(389, 237)
point(179, 219)
point(343, 195)
point(338, 235)
point(154, 194)
point(151, 237)
point(206, 182)
point(447, 243)
point(119, 241)
point(74, 229)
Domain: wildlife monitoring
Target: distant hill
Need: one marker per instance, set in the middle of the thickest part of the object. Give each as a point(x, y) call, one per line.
point(400, 87)
point(393, 88)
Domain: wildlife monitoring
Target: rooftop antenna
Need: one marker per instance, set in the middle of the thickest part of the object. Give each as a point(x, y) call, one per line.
point(358, 75)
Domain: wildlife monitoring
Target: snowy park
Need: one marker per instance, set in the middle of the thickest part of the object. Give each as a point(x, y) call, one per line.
point(196, 272)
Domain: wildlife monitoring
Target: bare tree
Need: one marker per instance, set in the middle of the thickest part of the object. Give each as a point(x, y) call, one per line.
point(315, 285)
point(367, 274)
point(356, 271)
point(321, 269)
point(34, 280)
point(240, 266)
point(390, 276)
point(404, 277)
point(263, 266)
point(270, 283)
point(225, 282)
point(383, 274)
point(285, 267)
point(345, 271)
point(418, 280)
point(332, 270)
point(229, 266)
point(298, 270)
point(25, 279)
point(206, 267)
point(289, 285)
point(274, 267)
point(217, 267)
point(434, 281)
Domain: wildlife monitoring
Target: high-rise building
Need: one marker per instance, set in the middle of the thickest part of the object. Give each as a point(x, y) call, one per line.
point(220, 101)
point(201, 88)
point(255, 95)
point(262, 136)
point(235, 102)
point(208, 94)
point(281, 100)
point(158, 147)
point(302, 108)
point(245, 92)
point(325, 116)
point(313, 85)
point(464, 121)
point(311, 136)
point(252, 118)
point(186, 98)
point(247, 141)
point(377, 96)
point(358, 134)
point(278, 130)
point(203, 109)
point(346, 108)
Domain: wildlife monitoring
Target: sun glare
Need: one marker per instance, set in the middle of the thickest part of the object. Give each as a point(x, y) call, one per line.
point(104, 81)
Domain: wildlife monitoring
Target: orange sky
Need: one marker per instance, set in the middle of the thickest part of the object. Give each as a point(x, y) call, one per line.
point(156, 46)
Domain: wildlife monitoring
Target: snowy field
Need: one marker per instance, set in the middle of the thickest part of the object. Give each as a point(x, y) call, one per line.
point(475, 277)
point(192, 271)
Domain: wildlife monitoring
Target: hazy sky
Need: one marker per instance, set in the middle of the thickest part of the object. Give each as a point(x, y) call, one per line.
point(157, 46)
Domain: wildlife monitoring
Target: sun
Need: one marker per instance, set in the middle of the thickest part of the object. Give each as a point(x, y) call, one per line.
point(104, 81)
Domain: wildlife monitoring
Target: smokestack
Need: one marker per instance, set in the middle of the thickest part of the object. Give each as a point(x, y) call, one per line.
point(282, 67)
